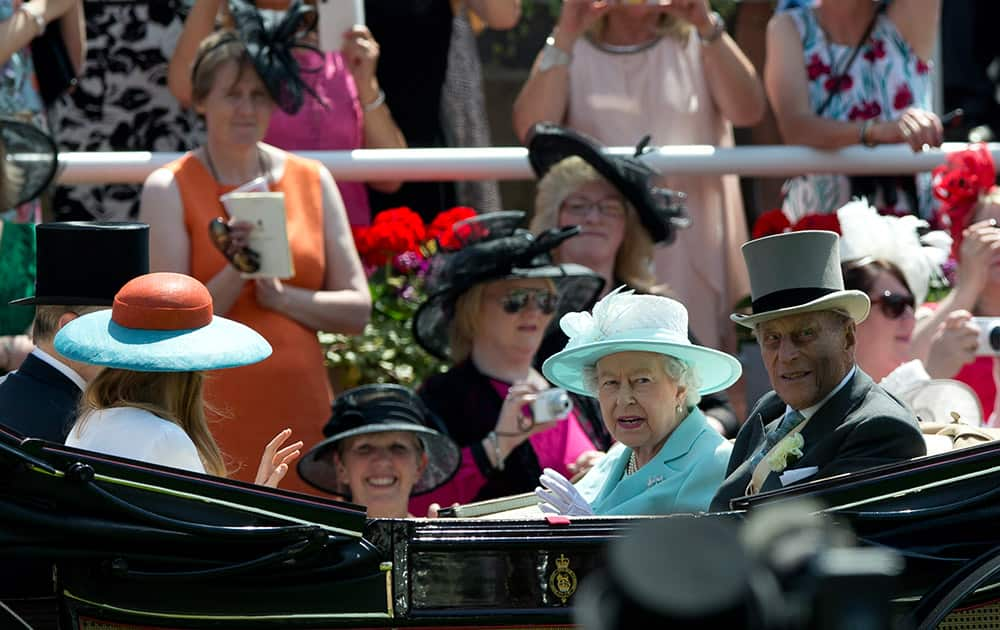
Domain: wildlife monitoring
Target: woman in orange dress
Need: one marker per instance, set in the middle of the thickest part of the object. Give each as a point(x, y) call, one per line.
point(236, 94)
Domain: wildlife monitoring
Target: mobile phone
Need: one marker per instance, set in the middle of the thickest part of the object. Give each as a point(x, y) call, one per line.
point(989, 336)
point(336, 17)
point(551, 404)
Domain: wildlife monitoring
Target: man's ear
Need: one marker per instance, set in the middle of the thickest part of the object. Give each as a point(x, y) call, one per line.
point(66, 318)
point(850, 335)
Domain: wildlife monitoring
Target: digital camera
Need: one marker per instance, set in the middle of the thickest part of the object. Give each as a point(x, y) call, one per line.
point(989, 335)
point(551, 404)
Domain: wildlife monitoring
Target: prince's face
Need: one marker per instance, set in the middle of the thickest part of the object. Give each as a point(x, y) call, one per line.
point(806, 355)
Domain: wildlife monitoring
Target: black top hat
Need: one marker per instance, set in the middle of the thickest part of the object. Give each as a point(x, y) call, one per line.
point(30, 162)
point(380, 408)
point(678, 573)
point(661, 210)
point(85, 262)
point(270, 38)
point(494, 249)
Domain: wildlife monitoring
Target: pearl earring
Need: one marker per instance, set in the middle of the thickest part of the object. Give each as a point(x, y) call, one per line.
point(679, 409)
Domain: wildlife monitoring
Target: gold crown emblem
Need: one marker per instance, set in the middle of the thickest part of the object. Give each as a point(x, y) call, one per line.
point(562, 562)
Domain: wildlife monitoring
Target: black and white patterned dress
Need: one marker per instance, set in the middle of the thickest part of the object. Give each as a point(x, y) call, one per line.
point(122, 102)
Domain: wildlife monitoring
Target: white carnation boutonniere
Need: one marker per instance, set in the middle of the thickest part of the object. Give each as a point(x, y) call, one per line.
point(788, 447)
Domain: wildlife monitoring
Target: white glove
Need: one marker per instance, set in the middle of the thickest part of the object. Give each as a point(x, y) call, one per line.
point(559, 496)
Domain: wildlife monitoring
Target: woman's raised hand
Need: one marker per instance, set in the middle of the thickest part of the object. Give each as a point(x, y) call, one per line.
point(276, 459)
point(980, 243)
point(579, 15)
point(361, 51)
point(953, 345)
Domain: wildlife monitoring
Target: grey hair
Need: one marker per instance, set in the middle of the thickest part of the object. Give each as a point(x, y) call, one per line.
point(679, 371)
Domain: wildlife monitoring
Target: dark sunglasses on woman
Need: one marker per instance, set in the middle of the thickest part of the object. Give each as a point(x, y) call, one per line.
point(893, 305)
point(516, 299)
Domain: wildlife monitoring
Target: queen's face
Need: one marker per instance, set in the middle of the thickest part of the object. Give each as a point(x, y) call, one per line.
point(884, 337)
point(381, 470)
point(601, 213)
point(238, 108)
point(515, 313)
point(639, 399)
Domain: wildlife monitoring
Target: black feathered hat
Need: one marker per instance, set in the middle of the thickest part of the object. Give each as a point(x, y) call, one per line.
point(493, 248)
point(661, 210)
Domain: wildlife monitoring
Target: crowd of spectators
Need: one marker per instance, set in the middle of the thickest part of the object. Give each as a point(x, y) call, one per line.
point(210, 78)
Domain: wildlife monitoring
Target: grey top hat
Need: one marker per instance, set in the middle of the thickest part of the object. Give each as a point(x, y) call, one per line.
point(795, 273)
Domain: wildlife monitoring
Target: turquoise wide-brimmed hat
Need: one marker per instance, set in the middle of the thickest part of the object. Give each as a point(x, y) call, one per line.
point(161, 322)
point(623, 322)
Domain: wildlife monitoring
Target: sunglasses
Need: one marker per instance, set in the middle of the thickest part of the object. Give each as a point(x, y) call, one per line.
point(893, 305)
point(517, 299)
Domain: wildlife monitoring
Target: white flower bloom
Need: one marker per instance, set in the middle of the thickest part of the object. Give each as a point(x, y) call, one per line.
point(790, 445)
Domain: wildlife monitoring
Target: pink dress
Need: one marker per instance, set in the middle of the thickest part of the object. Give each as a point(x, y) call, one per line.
point(335, 126)
point(662, 91)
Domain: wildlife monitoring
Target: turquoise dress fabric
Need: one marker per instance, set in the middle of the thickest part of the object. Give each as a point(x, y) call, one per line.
point(682, 478)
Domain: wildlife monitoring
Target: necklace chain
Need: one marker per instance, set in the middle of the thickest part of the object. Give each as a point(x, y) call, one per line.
point(263, 165)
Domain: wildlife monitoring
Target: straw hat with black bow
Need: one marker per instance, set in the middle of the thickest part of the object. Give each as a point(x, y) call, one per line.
point(795, 273)
point(493, 248)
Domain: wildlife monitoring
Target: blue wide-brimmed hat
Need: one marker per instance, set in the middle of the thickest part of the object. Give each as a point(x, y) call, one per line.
point(623, 322)
point(161, 322)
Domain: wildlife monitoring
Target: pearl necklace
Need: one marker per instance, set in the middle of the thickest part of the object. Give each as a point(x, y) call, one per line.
point(632, 466)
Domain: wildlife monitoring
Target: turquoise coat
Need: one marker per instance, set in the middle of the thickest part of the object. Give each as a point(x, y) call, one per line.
point(682, 477)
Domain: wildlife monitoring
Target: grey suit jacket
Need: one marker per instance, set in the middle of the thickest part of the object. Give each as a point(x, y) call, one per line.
point(860, 427)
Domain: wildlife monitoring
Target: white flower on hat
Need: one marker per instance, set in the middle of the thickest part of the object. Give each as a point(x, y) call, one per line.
point(583, 328)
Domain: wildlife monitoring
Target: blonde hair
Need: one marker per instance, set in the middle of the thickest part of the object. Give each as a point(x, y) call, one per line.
point(173, 396)
point(634, 260)
point(47, 316)
point(666, 24)
point(214, 52)
point(464, 323)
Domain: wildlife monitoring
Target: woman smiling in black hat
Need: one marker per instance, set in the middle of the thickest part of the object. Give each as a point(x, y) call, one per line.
point(382, 444)
point(492, 302)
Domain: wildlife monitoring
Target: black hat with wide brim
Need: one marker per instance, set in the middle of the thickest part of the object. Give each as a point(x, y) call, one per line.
point(87, 262)
point(30, 161)
point(660, 210)
point(494, 249)
point(380, 408)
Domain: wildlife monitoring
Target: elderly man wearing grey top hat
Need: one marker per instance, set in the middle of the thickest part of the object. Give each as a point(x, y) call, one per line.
point(824, 416)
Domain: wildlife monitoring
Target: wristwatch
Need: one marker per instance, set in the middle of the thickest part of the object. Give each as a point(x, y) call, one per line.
point(718, 28)
point(553, 56)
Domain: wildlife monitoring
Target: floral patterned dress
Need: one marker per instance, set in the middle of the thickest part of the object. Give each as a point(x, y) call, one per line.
point(884, 80)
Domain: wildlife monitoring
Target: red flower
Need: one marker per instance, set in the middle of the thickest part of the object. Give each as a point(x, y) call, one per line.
point(406, 219)
point(816, 67)
point(828, 222)
point(958, 184)
point(771, 222)
point(393, 232)
point(442, 227)
point(839, 83)
point(922, 67)
point(868, 110)
point(875, 50)
point(903, 97)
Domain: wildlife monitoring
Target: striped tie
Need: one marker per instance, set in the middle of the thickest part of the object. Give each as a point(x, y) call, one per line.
point(791, 420)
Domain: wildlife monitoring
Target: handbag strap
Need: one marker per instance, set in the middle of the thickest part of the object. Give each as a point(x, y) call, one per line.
point(850, 61)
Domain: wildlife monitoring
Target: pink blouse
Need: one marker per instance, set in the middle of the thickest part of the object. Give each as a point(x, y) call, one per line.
point(333, 123)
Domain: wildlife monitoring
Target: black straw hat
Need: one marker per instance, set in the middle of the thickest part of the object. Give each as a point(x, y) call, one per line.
point(30, 162)
point(87, 262)
point(380, 408)
point(661, 210)
point(493, 248)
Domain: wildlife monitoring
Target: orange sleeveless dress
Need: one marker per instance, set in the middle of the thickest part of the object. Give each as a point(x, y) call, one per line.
point(290, 388)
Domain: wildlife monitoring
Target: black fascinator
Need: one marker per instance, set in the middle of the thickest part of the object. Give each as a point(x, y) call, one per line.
point(271, 38)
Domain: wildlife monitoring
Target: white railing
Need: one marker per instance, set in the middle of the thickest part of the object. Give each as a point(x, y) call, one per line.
point(511, 163)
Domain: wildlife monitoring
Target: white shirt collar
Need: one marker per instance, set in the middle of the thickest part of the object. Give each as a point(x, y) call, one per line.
point(69, 372)
point(809, 411)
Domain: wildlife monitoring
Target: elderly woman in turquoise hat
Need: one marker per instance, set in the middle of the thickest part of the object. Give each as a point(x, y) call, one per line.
point(155, 344)
point(633, 354)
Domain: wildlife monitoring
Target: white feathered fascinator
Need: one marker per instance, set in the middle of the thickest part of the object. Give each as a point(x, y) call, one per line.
point(867, 234)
